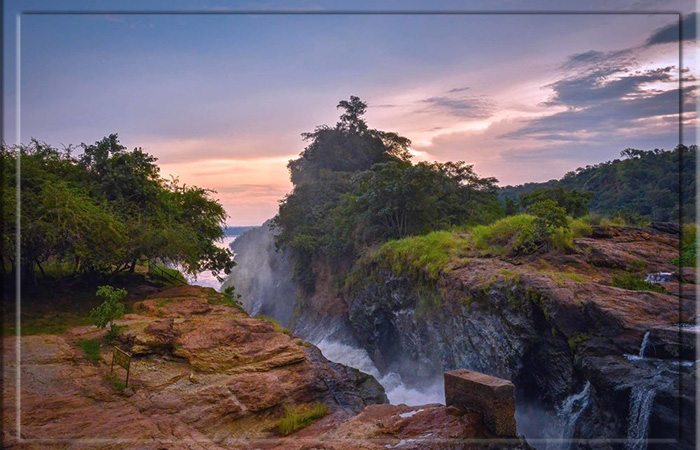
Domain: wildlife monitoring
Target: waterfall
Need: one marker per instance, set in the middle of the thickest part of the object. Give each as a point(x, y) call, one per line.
point(645, 344)
point(570, 411)
point(397, 392)
point(641, 401)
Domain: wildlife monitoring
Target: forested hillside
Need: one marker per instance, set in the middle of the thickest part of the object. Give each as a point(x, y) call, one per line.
point(642, 182)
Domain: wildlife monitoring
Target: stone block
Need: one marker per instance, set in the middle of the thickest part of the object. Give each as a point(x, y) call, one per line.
point(493, 398)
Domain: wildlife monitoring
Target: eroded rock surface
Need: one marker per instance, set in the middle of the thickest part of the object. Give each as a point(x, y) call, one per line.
point(203, 376)
point(553, 324)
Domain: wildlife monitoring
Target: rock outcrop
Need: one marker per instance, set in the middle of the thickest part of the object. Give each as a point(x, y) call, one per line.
point(555, 326)
point(205, 375)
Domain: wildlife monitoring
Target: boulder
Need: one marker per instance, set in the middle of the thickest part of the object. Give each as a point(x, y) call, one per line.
point(493, 397)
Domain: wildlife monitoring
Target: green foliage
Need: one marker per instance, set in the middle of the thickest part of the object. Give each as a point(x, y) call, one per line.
point(422, 257)
point(91, 348)
point(104, 211)
point(228, 298)
point(110, 309)
point(116, 383)
point(301, 417)
point(548, 218)
point(354, 188)
point(634, 282)
point(580, 227)
point(577, 339)
point(645, 183)
point(511, 235)
point(575, 203)
point(688, 256)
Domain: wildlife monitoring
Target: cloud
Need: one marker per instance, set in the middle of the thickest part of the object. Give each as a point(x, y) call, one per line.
point(670, 33)
point(475, 107)
point(460, 89)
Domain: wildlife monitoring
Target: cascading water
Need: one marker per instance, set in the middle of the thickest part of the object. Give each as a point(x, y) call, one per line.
point(641, 402)
point(645, 344)
point(396, 390)
point(570, 411)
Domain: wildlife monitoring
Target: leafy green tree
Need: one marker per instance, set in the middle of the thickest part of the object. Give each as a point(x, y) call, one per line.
point(574, 202)
point(104, 211)
point(511, 207)
point(355, 186)
point(111, 309)
point(548, 218)
point(651, 183)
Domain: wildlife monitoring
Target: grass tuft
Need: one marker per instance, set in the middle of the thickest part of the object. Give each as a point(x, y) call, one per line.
point(91, 348)
point(634, 282)
point(278, 327)
point(301, 417)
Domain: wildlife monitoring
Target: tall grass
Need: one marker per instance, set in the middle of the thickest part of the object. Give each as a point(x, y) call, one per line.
point(504, 236)
point(422, 257)
point(301, 417)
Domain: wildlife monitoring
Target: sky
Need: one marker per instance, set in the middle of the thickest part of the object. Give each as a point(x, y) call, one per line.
point(222, 99)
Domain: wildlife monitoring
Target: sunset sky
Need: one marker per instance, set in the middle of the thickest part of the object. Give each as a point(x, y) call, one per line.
point(221, 100)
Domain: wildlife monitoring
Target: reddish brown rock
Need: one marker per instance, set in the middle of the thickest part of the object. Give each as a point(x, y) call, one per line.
point(203, 376)
point(493, 398)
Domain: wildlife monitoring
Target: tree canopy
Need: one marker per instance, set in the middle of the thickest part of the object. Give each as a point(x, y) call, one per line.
point(105, 210)
point(355, 187)
point(650, 183)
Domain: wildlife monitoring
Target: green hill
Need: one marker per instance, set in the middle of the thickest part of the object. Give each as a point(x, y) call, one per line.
point(642, 182)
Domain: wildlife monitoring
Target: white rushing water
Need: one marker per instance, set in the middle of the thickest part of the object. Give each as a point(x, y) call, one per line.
point(206, 278)
point(641, 401)
point(570, 411)
point(645, 344)
point(396, 390)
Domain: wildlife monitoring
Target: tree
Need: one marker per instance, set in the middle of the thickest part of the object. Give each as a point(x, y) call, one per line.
point(574, 202)
point(111, 309)
point(548, 218)
point(104, 211)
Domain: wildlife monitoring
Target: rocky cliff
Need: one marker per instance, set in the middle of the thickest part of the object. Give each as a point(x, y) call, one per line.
point(589, 360)
point(557, 328)
point(204, 375)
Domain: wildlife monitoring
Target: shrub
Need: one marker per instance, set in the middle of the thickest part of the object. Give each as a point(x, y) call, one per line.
point(635, 282)
point(688, 255)
point(228, 298)
point(580, 227)
point(514, 234)
point(301, 417)
point(110, 310)
point(91, 348)
point(550, 221)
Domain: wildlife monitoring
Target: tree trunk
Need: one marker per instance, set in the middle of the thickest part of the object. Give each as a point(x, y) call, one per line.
point(133, 266)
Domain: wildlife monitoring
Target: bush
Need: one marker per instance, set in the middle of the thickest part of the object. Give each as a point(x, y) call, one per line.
point(635, 282)
point(301, 417)
point(91, 348)
point(514, 234)
point(688, 255)
point(581, 227)
point(111, 309)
